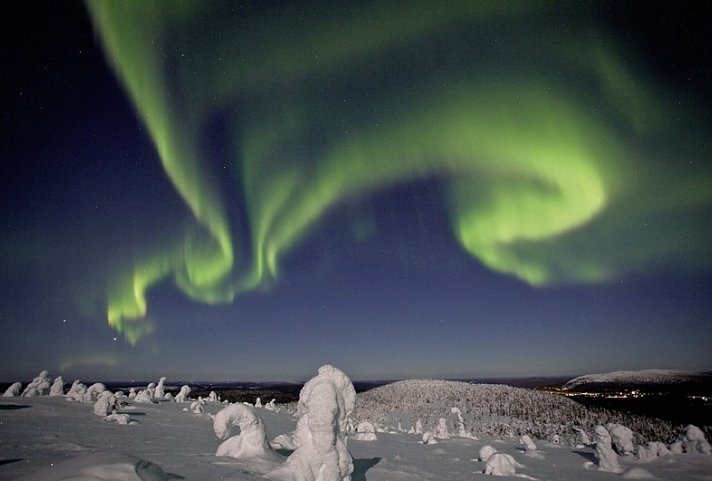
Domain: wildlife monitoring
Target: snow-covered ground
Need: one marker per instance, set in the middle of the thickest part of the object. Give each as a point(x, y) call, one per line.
point(645, 376)
point(41, 433)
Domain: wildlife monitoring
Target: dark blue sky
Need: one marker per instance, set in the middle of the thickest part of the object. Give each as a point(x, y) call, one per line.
point(424, 226)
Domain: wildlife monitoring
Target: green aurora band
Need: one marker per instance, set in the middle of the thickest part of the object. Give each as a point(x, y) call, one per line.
point(543, 142)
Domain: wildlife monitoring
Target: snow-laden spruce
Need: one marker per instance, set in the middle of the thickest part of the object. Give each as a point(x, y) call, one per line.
point(57, 388)
point(105, 404)
point(40, 386)
point(160, 391)
point(622, 438)
point(14, 390)
point(606, 456)
point(325, 403)
point(692, 441)
point(182, 396)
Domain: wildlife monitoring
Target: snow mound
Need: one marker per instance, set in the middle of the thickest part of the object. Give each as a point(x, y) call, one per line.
point(365, 432)
point(637, 473)
point(101, 467)
point(501, 464)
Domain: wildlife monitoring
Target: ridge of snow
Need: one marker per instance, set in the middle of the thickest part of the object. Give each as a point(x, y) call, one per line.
point(645, 376)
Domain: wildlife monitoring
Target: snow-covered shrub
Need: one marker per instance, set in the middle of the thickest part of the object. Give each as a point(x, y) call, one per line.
point(40, 386)
point(461, 431)
point(248, 440)
point(325, 403)
point(182, 396)
point(57, 388)
point(365, 432)
point(583, 437)
point(622, 438)
point(105, 404)
point(132, 393)
point(213, 397)
point(143, 396)
point(429, 438)
point(197, 407)
point(527, 442)
point(693, 441)
point(441, 431)
point(258, 402)
point(419, 426)
point(607, 458)
point(501, 464)
point(168, 397)
point(270, 406)
point(676, 448)
point(13, 390)
point(654, 449)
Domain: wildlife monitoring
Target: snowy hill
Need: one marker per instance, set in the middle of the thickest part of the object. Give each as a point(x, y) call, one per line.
point(497, 410)
point(42, 435)
point(638, 378)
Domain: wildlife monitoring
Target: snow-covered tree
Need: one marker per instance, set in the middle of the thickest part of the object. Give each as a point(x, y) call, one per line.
point(57, 388)
point(40, 386)
point(160, 391)
point(14, 390)
point(325, 403)
point(607, 458)
point(182, 396)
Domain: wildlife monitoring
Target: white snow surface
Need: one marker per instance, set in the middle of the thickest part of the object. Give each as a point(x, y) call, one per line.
point(645, 376)
point(48, 438)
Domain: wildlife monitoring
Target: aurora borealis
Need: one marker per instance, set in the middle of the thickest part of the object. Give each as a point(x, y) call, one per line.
point(503, 181)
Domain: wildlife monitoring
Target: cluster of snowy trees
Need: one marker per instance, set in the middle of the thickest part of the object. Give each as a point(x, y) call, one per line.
point(496, 410)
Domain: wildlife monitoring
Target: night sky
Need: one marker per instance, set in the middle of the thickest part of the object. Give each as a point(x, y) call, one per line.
point(247, 191)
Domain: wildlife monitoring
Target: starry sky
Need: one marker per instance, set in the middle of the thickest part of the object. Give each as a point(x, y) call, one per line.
point(247, 191)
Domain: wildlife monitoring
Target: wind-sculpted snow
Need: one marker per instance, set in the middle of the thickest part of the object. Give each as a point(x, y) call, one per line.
point(242, 433)
point(101, 467)
point(497, 410)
